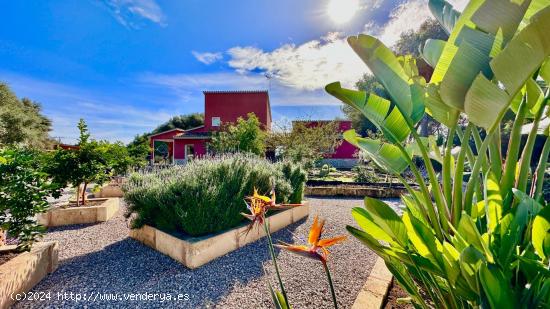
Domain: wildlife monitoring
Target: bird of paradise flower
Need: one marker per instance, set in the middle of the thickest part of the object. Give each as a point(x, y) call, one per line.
point(316, 249)
point(258, 205)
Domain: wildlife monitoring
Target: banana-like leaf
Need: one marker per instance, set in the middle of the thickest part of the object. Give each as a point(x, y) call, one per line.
point(386, 218)
point(545, 71)
point(535, 97)
point(374, 245)
point(496, 286)
point(541, 234)
point(365, 221)
point(493, 202)
point(388, 70)
point(432, 51)
point(468, 230)
point(376, 109)
point(424, 240)
point(535, 7)
point(387, 156)
point(437, 109)
point(500, 16)
point(445, 14)
point(484, 102)
point(470, 260)
point(451, 258)
point(415, 208)
point(524, 53)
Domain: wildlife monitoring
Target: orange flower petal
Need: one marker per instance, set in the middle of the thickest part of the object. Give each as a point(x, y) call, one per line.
point(304, 251)
point(324, 243)
point(315, 231)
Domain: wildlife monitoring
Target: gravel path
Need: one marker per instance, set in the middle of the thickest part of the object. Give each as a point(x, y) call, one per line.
point(101, 258)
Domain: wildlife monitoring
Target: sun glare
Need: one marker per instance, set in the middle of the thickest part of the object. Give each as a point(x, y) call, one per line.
point(341, 11)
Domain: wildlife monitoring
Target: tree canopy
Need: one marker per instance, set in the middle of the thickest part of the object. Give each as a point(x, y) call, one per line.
point(246, 135)
point(21, 121)
point(184, 122)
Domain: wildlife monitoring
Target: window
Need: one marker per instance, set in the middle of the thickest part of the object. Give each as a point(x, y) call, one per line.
point(216, 121)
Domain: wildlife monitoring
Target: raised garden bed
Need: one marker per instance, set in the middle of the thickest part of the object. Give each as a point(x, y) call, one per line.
point(359, 189)
point(21, 273)
point(110, 190)
point(100, 210)
point(194, 252)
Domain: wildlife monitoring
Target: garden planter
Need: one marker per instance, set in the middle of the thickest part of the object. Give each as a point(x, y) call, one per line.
point(359, 191)
point(374, 292)
point(23, 272)
point(194, 252)
point(80, 215)
point(109, 191)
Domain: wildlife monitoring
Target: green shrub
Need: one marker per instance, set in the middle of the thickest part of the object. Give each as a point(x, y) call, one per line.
point(24, 189)
point(324, 171)
point(363, 174)
point(207, 195)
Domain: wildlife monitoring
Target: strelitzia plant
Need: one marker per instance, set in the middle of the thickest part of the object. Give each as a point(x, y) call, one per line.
point(316, 249)
point(258, 205)
point(483, 241)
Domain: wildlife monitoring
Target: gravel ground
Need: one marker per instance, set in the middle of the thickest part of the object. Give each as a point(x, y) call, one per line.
point(101, 259)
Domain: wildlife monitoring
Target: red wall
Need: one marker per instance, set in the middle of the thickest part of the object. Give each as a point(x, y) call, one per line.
point(179, 152)
point(230, 106)
point(345, 150)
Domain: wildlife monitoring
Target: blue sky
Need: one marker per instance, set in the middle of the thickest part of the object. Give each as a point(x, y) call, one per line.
point(129, 65)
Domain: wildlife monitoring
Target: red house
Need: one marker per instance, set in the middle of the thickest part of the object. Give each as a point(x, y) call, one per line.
point(177, 146)
point(344, 155)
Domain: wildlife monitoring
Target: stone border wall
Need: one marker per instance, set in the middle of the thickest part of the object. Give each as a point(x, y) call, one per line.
point(80, 215)
point(357, 191)
point(375, 290)
point(196, 254)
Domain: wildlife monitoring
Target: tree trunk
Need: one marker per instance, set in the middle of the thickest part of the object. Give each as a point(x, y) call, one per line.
point(2, 237)
point(84, 194)
point(77, 195)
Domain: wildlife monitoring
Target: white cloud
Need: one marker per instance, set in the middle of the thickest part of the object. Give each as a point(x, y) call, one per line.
point(308, 66)
point(129, 13)
point(313, 64)
point(207, 58)
point(405, 17)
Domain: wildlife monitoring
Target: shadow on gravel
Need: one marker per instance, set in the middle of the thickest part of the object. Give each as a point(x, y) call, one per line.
point(70, 227)
point(128, 266)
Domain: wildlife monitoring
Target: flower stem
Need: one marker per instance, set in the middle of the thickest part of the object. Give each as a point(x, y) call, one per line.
point(330, 284)
point(274, 259)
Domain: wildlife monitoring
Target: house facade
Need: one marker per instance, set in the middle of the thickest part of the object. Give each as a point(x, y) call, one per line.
point(177, 146)
point(344, 155)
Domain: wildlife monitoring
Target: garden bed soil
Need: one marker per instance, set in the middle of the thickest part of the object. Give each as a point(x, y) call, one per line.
point(395, 292)
point(5, 256)
point(194, 252)
point(95, 210)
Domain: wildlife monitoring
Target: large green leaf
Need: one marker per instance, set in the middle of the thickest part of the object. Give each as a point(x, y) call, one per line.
point(432, 51)
point(470, 260)
point(497, 288)
point(500, 16)
point(445, 14)
point(484, 102)
point(423, 239)
point(437, 109)
point(545, 71)
point(493, 202)
point(524, 53)
point(376, 109)
point(468, 231)
point(388, 70)
point(386, 218)
point(541, 233)
point(387, 156)
point(365, 221)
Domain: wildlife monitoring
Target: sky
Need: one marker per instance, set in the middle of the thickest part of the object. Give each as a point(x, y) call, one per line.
point(126, 66)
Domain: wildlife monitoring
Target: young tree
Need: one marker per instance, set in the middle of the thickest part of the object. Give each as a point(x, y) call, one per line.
point(305, 143)
point(81, 166)
point(139, 149)
point(246, 135)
